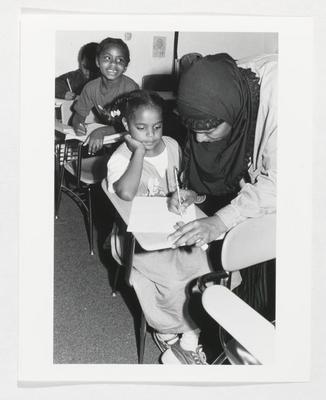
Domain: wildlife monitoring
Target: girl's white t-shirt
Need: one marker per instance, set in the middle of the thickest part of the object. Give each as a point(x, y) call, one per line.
point(118, 164)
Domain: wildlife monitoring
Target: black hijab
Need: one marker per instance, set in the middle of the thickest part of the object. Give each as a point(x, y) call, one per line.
point(212, 89)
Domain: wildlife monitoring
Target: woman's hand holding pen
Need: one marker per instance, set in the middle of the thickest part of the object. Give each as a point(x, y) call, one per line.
point(198, 232)
point(187, 198)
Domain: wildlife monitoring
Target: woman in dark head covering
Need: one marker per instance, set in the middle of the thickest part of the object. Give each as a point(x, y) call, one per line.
point(230, 155)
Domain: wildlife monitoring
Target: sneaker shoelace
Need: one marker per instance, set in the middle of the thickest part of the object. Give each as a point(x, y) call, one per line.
point(199, 356)
point(162, 343)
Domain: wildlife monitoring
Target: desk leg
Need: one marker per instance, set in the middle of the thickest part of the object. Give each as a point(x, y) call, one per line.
point(142, 338)
point(60, 181)
point(131, 241)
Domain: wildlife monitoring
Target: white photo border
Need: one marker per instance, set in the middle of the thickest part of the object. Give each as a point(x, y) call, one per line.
point(294, 204)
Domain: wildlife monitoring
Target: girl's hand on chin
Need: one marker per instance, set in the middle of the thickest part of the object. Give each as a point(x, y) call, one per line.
point(134, 145)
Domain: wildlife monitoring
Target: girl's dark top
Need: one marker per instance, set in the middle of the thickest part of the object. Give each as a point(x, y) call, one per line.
point(216, 88)
point(77, 82)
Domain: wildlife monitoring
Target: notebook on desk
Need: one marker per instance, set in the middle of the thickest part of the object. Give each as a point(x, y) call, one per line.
point(151, 215)
point(70, 134)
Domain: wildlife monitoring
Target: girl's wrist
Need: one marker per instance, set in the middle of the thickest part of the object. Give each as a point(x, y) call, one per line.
point(140, 152)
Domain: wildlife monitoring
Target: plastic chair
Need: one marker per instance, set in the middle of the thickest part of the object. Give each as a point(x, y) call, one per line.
point(159, 82)
point(252, 336)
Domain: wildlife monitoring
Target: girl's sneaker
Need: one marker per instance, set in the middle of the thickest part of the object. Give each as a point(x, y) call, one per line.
point(163, 344)
point(177, 355)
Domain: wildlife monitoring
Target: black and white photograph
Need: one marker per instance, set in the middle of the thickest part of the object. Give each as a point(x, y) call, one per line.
point(165, 200)
point(188, 119)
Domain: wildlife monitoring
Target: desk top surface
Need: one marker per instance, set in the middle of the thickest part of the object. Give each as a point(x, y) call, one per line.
point(167, 95)
point(69, 134)
point(148, 241)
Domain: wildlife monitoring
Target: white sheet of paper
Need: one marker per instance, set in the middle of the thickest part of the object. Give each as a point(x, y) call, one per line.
point(151, 214)
point(70, 133)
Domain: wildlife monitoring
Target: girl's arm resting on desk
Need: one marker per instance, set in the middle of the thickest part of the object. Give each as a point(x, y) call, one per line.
point(78, 123)
point(126, 187)
point(96, 138)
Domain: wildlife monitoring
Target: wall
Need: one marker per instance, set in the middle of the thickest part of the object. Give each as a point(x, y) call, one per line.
point(142, 62)
point(140, 46)
point(9, 278)
point(237, 44)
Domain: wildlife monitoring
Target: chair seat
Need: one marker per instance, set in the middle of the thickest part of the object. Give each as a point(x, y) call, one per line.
point(93, 169)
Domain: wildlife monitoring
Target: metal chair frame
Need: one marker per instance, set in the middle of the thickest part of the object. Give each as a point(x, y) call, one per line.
point(82, 195)
point(231, 261)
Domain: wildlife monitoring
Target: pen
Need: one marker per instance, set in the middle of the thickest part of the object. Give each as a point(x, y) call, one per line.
point(178, 190)
point(102, 111)
point(69, 86)
point(204, 247)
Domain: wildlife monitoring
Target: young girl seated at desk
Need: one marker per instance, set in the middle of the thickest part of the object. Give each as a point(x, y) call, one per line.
point(144, 165)
point(112, 58)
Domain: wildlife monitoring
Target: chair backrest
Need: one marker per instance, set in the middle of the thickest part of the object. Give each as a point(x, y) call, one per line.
point(248, 327)
point(159, 82)
point(87, 170)
point(251, 242)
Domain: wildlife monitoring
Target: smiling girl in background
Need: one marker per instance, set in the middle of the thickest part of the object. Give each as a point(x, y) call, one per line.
point(112, 58)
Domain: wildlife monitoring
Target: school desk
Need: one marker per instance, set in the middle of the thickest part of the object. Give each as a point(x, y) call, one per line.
point(64, 133)
point(88, 170)
point(69, 133)
point(148, 241)
point(167, 95)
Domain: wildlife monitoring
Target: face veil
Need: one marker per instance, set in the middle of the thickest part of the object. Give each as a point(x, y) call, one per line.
point(215, 88)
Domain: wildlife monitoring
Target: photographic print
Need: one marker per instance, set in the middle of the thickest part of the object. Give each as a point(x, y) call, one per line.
point(185, 122)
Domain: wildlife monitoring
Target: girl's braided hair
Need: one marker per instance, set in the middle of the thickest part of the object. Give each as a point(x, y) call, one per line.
point(126, 104)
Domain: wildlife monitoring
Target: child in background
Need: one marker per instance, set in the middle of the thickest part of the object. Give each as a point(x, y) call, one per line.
point(144, 166)
point(112, 58)
point(69, 85)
